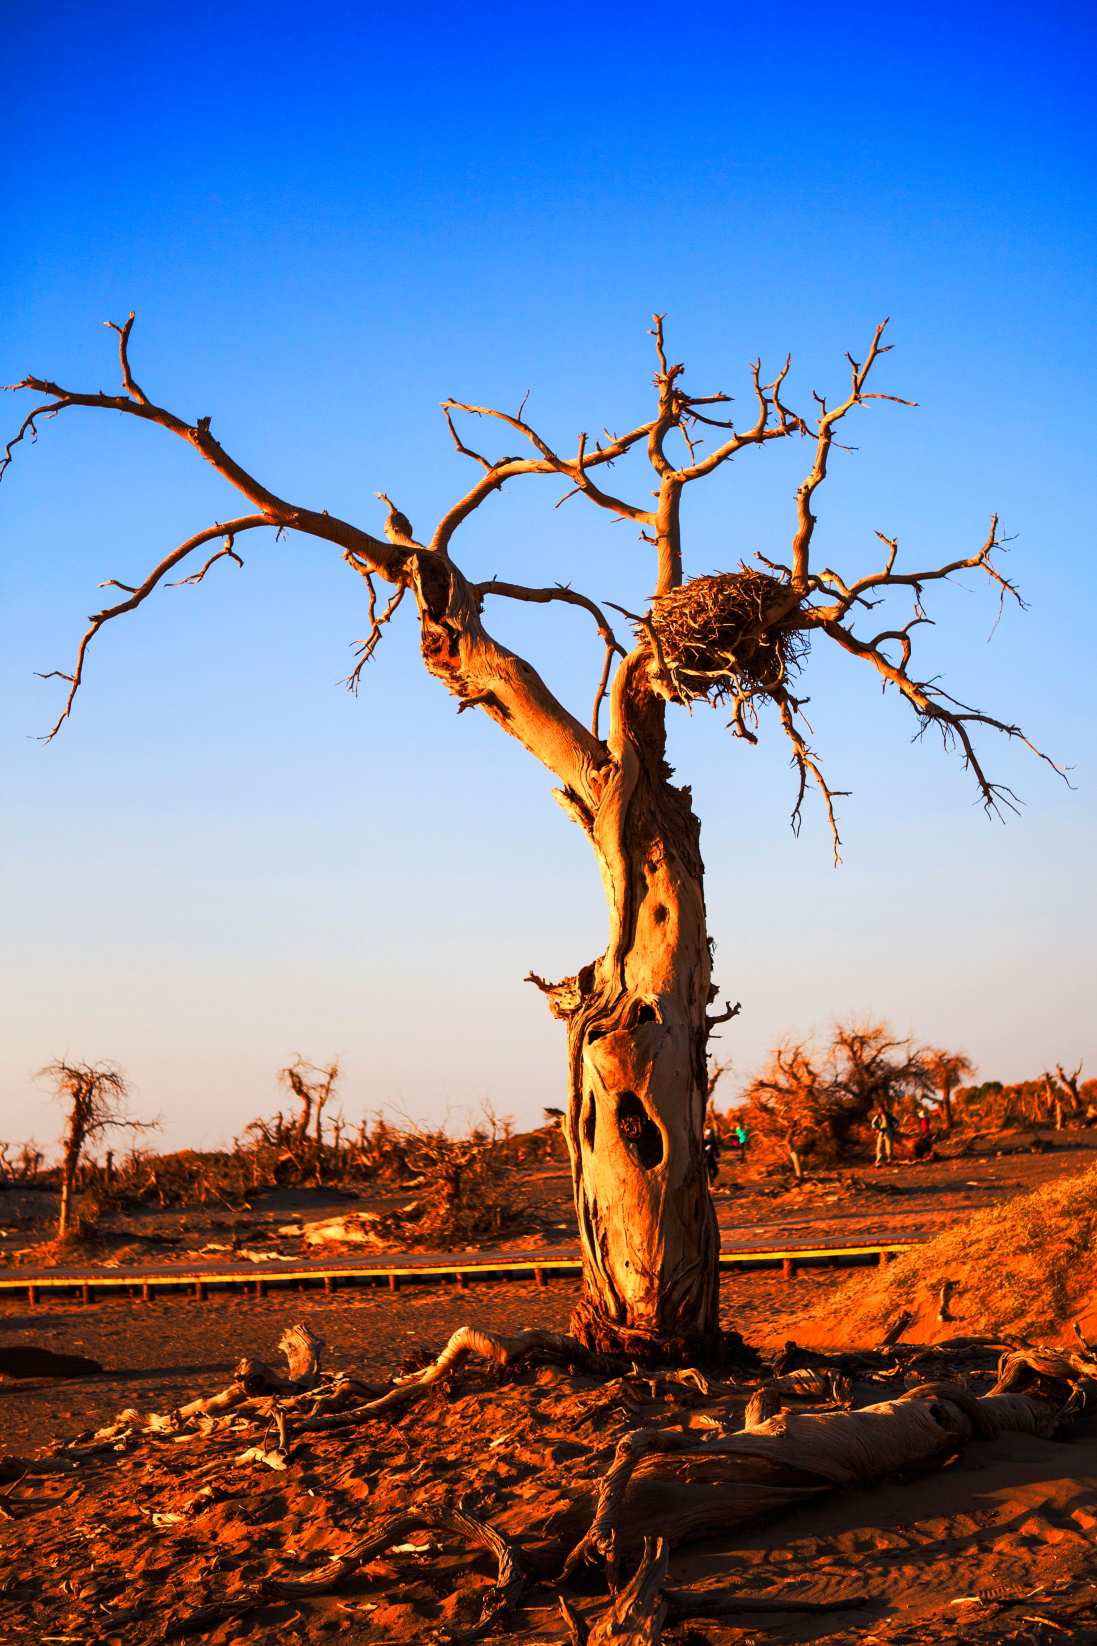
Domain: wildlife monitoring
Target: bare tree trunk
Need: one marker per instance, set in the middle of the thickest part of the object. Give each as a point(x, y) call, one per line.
point(637, 1033)
point(66, 1199)
point(70, 1161)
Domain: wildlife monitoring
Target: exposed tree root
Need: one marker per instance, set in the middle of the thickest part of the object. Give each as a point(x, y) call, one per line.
point(610, 1465)
point(508, 1584)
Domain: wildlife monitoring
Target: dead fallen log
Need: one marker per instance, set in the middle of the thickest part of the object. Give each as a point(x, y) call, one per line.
point(253, 1378)
point(688, 1485)
point(469, 1340)
point(835, 1449)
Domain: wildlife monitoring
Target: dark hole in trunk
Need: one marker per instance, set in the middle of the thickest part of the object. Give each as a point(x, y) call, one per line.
point(590, 1120)
point(639, 1130)
point(645, 1013)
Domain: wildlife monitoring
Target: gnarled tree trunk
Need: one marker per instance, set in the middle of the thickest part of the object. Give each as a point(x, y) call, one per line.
point(636, 1017)
point(637, 1031)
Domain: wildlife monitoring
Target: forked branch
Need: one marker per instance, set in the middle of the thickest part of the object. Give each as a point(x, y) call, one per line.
point(385, 558)
point(935, 707)
point(824, 439)
point(854, 594)
point(377, 620)
point(515, 591)
point(227, 530)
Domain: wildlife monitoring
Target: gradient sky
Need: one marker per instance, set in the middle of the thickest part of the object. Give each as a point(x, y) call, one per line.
point(330, 217)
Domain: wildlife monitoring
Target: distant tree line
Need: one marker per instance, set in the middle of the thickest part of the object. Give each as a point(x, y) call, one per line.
point(815, 1099)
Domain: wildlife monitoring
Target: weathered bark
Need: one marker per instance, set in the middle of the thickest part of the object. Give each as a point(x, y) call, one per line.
point(637, 1032)
point(636, 1017)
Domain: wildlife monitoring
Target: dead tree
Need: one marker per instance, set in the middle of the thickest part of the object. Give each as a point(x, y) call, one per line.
point(946, 1070)
point(1069, 1083)
point(96, 1095)
point(637, 1016)
point(313, 1093)
point(815, 1098)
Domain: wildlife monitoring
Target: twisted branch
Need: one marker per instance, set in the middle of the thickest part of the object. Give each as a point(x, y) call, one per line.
point(515, 591)
point(228, 529)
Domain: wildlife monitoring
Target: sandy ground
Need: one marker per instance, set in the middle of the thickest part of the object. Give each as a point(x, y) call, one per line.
point(111, 1550)
point(1013, 1520)
point(159, 1354)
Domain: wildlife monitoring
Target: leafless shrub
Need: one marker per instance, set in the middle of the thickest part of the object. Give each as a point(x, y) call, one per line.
point(816, 1101)
point(469, 1185)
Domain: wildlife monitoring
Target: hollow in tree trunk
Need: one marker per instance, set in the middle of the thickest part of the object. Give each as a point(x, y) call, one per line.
point(637, 1031)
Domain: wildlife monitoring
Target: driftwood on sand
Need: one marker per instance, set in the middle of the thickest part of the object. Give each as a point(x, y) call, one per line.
point(674, 1455)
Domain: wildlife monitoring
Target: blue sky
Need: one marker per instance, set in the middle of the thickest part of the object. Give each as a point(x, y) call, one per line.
point(330, 218)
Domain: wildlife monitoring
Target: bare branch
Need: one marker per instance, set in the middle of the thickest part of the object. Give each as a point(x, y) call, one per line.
point(376, 622)
point(887, 578)
point(769, 401)
point(713, 423)
point(548, 463)
point(671, 403)
point(465, 451)
point(824, 439)
point(541, 597)
point(228, 530)
point(603, 687)
point(386, 558)
point(805, 761)
point(123, 358)
point(515, 591)
point(932, 706)
point(618, 444)
point(656, 331)
point(196, 577)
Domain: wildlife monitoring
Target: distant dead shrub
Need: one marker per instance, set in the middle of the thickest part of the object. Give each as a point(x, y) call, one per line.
point(814, 1102)
point(469, 1186)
